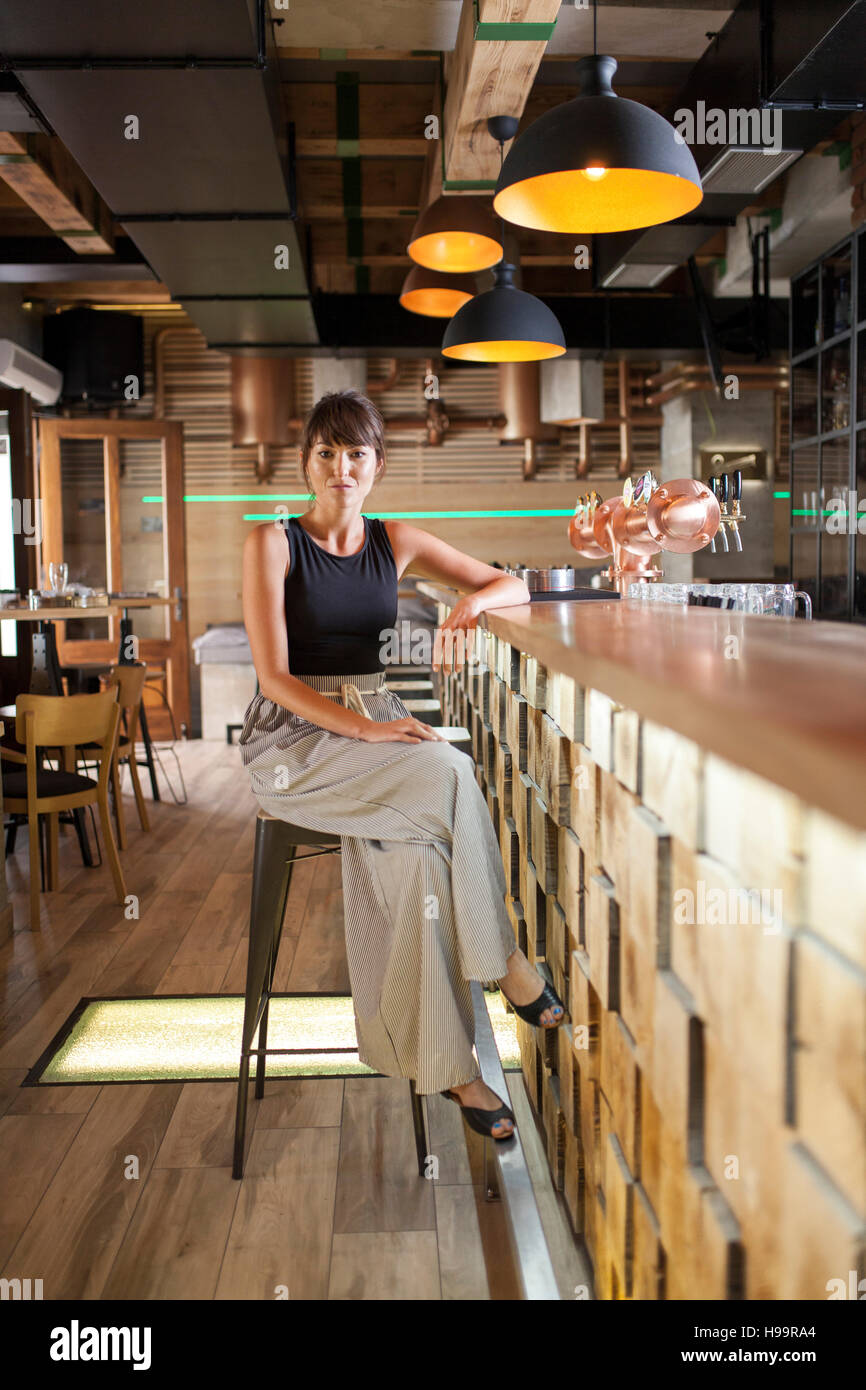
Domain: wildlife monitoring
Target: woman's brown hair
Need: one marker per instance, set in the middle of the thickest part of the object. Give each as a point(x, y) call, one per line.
point(344, 417)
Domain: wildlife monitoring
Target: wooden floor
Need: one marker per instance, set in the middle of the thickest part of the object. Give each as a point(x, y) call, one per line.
point(126, 1191)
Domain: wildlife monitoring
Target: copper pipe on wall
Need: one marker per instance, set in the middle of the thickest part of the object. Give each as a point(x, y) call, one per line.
point(520, 399)
point(395, 371)
point(682, 388)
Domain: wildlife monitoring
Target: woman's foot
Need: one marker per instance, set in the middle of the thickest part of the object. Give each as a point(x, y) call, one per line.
point(523, 984)
point(479, 1095)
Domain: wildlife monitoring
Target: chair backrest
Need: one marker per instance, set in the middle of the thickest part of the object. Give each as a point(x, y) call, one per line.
point(129, 679)
point(64, 720)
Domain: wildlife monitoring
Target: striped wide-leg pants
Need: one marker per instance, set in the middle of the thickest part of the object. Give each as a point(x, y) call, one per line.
point(423, 882)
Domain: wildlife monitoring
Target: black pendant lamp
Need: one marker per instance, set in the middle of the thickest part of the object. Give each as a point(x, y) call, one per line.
point(599, 163)
point(504, 324)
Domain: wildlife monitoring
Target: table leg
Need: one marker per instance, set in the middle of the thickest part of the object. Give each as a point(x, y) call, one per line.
point(128, 660)
point(45, 677)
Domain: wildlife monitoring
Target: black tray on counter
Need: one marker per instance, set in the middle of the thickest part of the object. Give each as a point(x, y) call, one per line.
point(569, 595)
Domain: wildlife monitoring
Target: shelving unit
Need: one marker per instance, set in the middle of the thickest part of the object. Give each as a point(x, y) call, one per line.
point(828, 429)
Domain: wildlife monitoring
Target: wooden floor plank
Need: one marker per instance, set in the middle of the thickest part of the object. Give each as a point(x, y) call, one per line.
point(176, 1239)
point(78, 1227)
point(31, 1149)
point(385, 1265)
point(279, 1245)
point(379, 1188)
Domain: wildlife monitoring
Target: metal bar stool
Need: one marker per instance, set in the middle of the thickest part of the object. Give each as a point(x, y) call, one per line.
point(275, 850)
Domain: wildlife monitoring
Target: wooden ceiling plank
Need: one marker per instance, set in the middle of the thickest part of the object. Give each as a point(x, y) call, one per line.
point(488, 77)
point(43, 174)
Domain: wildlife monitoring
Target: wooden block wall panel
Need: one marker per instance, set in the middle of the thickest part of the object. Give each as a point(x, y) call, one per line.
point(637, 993)
point(544, 838)
point(566, 706)
point(757, 830)
point(554, 1129)
point(602, 937)
point(830, 1064)
point(557, 947)
point(648, 908)
point(620, 1086)
point(522, 792)
point(484, 682)
point(515, 727)
point(555, 769)
point(502, 776)
point(585, 1013)
point(743, 1150)
point(619, 1187)
point(571, 1181)
point(826, 1242)
point(626, 748)
point(510, 847)
point(533, 680)
point(569, 882)
point(585, 804)
point(490, 757)
point(615, 853)
point(835, 884)
point(529, 898)
point(672, 780)
point(702, 949)
point(533, 744)
point(529, 1061)
point(708, 1241)
point(649, 1259)
point(600, 729)
point(569, 1077)
point(673, 1022)
point(514, 908)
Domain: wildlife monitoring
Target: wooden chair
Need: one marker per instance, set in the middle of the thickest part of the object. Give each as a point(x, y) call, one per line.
point(65, 722)
point(128, 678)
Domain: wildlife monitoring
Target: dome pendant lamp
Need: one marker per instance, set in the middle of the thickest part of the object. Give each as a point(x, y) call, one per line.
point(436, 295)
point(504, 324)
point(458, 235)
point(599, 163)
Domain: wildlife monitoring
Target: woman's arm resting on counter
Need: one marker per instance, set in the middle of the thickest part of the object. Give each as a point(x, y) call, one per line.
point(432, 558)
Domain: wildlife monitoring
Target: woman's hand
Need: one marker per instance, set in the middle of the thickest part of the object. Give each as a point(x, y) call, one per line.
point(454, 641)
point(407, 730)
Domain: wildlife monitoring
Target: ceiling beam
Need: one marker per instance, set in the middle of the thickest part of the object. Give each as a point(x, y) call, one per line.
point(500, 44)
point(44, 175)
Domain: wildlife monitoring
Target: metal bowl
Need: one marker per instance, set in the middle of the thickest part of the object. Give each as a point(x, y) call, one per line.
point(546, 580)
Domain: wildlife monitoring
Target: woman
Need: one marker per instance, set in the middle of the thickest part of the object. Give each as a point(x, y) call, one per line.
point(328, 747)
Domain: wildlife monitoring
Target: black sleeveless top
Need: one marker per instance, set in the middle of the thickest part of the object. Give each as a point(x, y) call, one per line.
point(337, 605)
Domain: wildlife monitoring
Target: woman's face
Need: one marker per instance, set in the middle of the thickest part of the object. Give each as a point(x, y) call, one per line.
point(342, 473)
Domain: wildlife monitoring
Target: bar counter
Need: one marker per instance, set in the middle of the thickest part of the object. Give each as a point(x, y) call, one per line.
point(680, 800)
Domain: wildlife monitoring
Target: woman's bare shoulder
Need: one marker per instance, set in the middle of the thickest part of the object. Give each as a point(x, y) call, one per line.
point(267, 543)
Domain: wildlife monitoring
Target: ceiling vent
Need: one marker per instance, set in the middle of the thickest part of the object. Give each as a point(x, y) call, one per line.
point(741, 169)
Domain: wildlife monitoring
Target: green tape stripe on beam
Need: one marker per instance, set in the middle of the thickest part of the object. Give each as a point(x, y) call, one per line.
point(362, 279)
point(352, 187)
point(469, 183)
point(519, 31)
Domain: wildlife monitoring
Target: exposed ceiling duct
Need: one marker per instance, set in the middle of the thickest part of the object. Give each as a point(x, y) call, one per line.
point(178, 125)
point(762, 41)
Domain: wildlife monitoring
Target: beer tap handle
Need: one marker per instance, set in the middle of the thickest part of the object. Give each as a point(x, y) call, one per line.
point(724, 493)
point(737, 487)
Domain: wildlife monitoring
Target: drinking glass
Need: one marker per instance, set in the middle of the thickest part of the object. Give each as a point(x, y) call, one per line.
point(58, 574)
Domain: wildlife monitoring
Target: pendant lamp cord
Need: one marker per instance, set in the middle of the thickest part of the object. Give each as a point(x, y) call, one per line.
point(502, 219)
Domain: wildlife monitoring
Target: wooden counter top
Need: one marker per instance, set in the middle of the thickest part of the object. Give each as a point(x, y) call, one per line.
point(791, 706)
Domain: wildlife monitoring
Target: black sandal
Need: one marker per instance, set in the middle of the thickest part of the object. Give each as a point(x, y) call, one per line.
point(531, 1013)
point(482, 1121)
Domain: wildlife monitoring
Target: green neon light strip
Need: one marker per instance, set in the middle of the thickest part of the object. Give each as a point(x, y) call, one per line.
point(781, 494)
point(393, 516)
point(304, 497)
point(829, 511)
